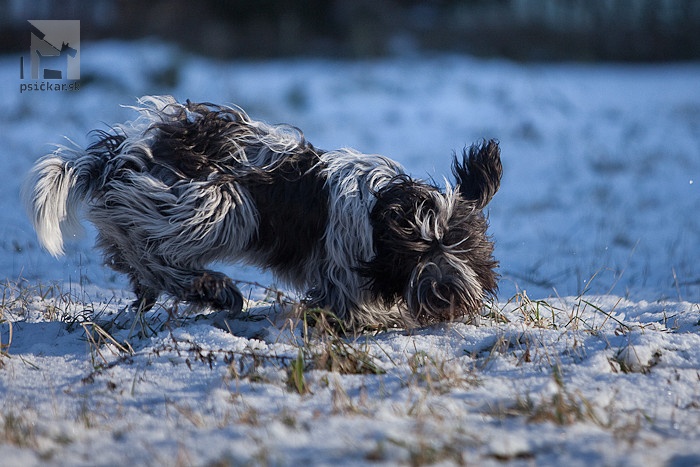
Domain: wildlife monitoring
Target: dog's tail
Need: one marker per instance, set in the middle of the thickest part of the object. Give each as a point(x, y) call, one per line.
point(52, 193)
point(479, 174)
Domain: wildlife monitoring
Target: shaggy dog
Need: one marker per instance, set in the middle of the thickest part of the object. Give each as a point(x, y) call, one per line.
point(188, 184)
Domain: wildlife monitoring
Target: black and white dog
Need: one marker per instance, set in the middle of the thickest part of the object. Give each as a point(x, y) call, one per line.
point(188, 184)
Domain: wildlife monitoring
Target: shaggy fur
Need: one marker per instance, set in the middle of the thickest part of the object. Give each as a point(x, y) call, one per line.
point(189, 184)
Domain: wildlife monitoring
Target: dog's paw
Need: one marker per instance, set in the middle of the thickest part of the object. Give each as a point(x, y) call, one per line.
point(217, 291)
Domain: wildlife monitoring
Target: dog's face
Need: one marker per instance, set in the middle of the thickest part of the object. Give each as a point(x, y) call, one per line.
point(432, 251)
point(455, 269)
point(433, 254)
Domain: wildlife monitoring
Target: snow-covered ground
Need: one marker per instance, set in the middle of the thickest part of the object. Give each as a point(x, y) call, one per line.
point(590, 356)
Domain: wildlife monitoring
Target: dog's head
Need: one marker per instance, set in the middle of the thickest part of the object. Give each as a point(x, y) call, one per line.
point(433, 254)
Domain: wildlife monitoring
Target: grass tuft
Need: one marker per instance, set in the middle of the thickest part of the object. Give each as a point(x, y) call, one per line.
point(439, 375)
point(17, 430)
point(563, 407)
point(535, 313)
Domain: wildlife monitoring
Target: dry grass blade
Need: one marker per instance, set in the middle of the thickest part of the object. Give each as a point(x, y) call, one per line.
point(5, 345)
point(97, 338)
point(608, 315)
point(5, 342)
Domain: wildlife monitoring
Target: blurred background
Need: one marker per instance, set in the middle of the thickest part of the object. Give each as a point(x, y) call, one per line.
point(620, 30)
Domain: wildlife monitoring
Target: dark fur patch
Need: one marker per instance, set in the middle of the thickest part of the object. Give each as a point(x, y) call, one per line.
point(195, 143)
point(106, 147)
point(292, 204)
point(107, 144)
point(479, 174)
point(397, 244)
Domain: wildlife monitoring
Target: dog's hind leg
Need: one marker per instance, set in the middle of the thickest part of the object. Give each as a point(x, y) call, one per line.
point(152, 274)
point(197, 286)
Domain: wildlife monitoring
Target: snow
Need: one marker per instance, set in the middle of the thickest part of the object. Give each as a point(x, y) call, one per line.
point(590, 356)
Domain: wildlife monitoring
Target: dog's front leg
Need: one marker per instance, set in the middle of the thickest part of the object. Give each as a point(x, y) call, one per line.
point(146, 297)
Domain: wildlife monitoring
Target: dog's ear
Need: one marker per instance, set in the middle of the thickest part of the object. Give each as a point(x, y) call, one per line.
point(478, 175)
